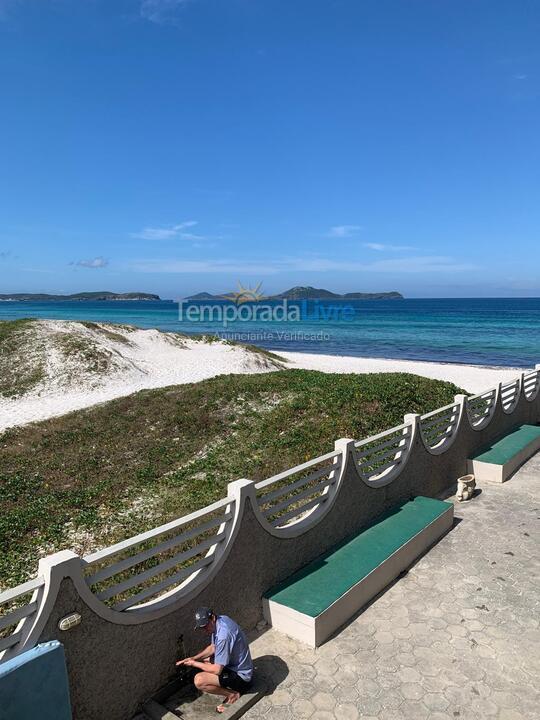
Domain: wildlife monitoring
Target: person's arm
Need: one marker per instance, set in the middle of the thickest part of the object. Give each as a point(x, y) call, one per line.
point(202, 655)
point(214, 668)
point(206, 653)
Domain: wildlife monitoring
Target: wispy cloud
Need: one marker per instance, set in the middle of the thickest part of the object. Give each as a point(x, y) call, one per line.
point(343, 231)
point(94, 263)
point(381, 247)
point(520, 76)
point(162, 12)
point(421, 264)
point(193, 236)
point(5, 254)
point(427, 264)
point(168, 232)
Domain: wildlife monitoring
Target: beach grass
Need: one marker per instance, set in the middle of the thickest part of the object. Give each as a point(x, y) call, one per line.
point(84, 352)
point(21, 367)
point(90, 478)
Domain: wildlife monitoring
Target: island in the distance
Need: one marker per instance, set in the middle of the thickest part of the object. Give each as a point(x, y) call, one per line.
point(105, 295)
point(307, 293)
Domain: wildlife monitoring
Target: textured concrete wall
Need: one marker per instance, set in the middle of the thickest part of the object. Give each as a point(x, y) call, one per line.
point(113, 666)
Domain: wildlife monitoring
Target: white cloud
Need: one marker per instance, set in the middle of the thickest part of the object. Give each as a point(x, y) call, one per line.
point(343, 231)
point(428, 264)
point(389, 248)
point(161, 12)
point(150, 233)
point(97, 262)
point(425, 264)
point(168, 232)
point(192, 236)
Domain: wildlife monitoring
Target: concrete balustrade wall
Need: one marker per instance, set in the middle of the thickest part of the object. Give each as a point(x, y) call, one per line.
point(116, 659)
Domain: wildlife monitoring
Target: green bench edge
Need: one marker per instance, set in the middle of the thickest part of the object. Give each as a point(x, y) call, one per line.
point(426, 510)
point(524, 434)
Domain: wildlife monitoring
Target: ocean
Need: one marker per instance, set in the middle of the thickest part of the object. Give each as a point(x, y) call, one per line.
point(492, 331)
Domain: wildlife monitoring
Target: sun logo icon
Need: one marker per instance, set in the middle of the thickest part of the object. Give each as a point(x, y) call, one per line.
point(245, 294)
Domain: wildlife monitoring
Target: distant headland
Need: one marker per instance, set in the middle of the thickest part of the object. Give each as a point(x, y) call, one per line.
point(300, 292)
point(105, 295)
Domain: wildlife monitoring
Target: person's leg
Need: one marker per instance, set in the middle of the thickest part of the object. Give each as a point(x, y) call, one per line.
point(209, 683)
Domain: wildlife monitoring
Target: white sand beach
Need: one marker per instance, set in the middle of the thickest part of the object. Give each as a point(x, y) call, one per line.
point(73, 357)
point(472, 378)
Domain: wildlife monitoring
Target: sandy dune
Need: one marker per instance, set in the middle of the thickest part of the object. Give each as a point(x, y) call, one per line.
point(127, 360)
point(86, 364)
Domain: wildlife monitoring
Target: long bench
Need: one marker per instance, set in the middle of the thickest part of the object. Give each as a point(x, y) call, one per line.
point(314, 602)
point(497, 462)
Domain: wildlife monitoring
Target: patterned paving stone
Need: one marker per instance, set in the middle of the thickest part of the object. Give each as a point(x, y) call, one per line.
point(323, 715)
point(303, 689)
point(368, 705)
point(326, 667)
point(345, 661)
point(409, 675)
point(391, 699)
point(456, 638)
point(323, 701)
point(281, 697)
point(303, 671)
point(346, 711)
point(278, 713)
point(383, 637)
point(412, 691)
point(368, 687)
point(406, 659)
point(414, 710)
point(511, 715)
point(302, 708)
point(326, 683)
point(346, 694)
point(435, 701)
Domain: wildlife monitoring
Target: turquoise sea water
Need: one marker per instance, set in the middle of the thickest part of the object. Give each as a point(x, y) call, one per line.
point(475, 331)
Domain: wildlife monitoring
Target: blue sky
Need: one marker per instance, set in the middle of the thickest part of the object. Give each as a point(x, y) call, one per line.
point(172, 146)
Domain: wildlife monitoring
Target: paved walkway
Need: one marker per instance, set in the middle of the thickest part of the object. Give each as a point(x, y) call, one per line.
point(457, 637)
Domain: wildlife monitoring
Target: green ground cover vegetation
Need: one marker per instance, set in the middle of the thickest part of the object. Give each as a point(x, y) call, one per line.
point(96, 476)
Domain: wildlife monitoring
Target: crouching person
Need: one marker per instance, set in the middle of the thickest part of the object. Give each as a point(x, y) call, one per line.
point(225, 666)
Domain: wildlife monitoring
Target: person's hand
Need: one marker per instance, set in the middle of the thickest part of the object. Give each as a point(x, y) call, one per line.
point(190, 662)
point(185, 661)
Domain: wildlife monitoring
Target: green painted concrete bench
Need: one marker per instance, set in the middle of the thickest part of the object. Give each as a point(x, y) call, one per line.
point(314, 602)
point(499, 461)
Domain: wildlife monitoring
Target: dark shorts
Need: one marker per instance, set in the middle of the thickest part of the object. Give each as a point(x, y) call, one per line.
point(232, 681)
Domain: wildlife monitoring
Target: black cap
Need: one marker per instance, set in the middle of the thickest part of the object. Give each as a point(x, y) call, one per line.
point(203, 615)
